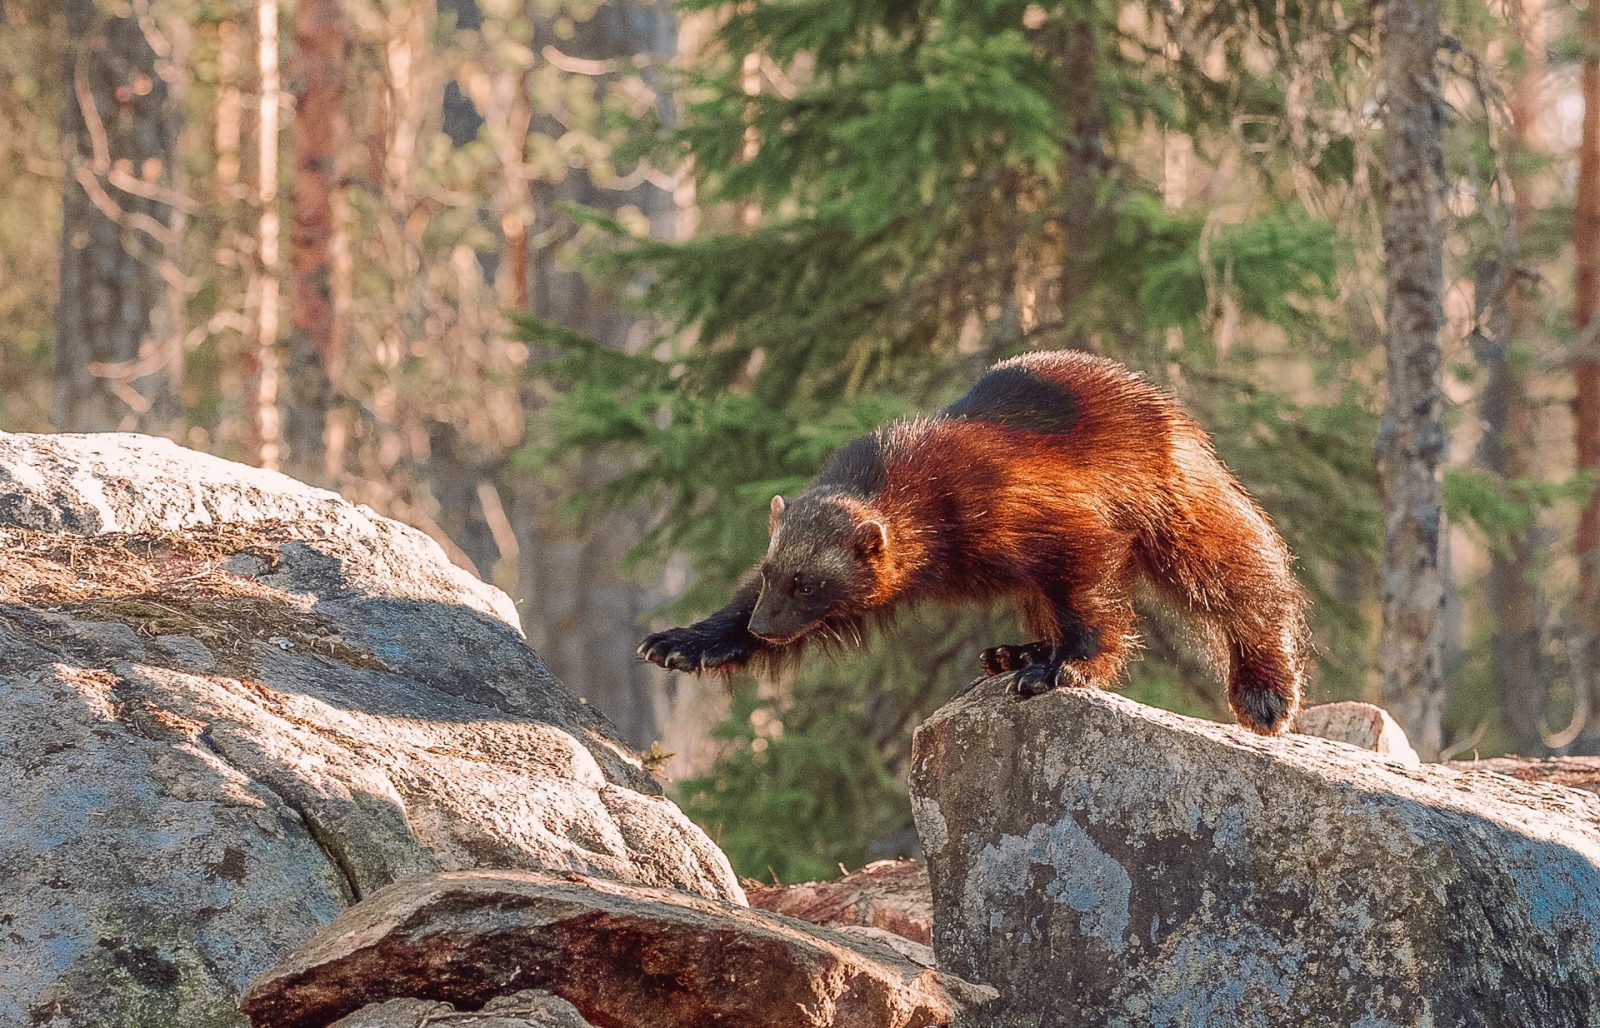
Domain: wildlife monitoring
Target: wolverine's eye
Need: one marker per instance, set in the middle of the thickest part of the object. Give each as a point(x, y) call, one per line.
point(806, 589)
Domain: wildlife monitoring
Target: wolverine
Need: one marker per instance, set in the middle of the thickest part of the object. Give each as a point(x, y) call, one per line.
point(1061, 483)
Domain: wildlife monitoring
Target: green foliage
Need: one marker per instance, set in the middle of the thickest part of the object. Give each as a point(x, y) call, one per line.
point(776, 799)
point(1500, 507)
point(32, 36)
point(1276, 263)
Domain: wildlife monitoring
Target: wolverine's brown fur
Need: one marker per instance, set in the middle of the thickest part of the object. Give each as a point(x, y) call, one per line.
point(1060, 483)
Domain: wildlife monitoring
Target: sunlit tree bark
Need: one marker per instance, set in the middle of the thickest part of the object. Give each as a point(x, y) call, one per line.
point(1083, 166)
point(262, 369)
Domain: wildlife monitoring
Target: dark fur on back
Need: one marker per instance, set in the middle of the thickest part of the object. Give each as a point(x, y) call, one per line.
point(1059, 483)
point(855, 469)
point(1015, 398)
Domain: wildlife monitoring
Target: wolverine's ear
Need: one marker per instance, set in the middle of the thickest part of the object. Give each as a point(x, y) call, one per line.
point(870, 538)
point(773, 514)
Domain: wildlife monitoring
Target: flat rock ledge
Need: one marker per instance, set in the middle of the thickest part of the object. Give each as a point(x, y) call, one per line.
point(231, 705)
point(1101, 863)
point(624, 956)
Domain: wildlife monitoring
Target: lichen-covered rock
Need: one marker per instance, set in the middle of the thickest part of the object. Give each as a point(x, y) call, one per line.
point(889, 894)
point(1105, 864)
point(231, 704)
point(1360, 724)
point(623, 955)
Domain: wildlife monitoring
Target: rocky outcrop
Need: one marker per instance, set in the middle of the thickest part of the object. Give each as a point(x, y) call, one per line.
point(623, 955)
point(892, 895)
point(1101, 863)
point(230, 705)
point(1362, 725)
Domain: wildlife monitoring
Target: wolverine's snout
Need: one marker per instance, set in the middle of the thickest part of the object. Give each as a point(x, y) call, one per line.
point(778, 621)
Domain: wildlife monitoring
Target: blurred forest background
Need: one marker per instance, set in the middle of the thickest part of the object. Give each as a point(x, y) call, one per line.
point(576, 285)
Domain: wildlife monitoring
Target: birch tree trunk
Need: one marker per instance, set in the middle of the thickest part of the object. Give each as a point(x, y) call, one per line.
point(117, 355)
point(1586, 404)
point(1411, 441)
point(262, 371)
point(313, 345)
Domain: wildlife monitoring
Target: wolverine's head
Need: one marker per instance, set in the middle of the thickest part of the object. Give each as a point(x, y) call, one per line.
point(818, 564)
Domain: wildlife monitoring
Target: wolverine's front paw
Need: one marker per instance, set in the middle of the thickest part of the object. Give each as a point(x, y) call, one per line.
point(685, 649)
point(1043, 676)
point(997, 660)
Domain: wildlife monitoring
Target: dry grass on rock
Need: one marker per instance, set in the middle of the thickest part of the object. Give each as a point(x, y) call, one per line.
point(172, 584)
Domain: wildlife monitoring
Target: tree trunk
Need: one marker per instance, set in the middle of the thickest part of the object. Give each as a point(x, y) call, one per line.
point(117, 356)
point(1411, 442)
point(1586, 405)
point(1083, 166)
point(1509, 419)
point(261, 370)
point(314, 345)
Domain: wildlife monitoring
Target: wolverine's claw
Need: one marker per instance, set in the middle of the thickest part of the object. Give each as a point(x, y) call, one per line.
point(657, 647)
point(1000, 659)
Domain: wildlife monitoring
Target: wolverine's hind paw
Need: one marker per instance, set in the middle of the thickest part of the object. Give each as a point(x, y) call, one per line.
point(1263, 711)
point(684, 649)
point(997, 660)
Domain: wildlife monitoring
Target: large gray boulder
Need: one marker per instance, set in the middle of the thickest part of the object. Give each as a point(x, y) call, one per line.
point(231, 705)
point(1102, 863)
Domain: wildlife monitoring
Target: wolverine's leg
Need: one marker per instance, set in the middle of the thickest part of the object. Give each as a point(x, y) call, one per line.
point(721, 643)
point(1092, 630)
point(1229, 569)
point(1264, 686)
